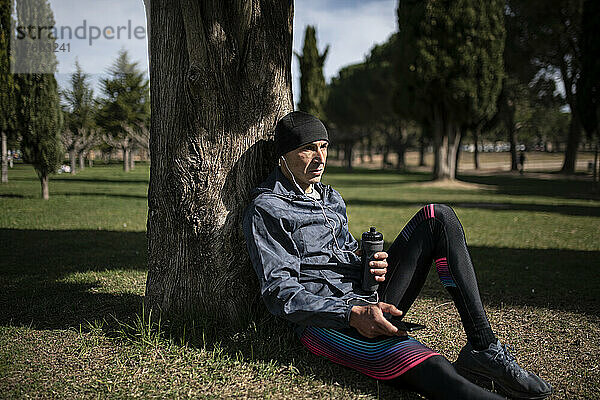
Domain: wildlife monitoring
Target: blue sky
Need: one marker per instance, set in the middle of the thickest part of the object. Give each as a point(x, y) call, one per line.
point(350, 27)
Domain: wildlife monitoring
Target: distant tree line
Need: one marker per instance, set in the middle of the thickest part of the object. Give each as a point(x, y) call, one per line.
point(465, 71)
point(46, 123)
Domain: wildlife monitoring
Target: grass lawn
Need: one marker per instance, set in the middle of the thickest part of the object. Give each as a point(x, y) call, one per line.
point(73, 272)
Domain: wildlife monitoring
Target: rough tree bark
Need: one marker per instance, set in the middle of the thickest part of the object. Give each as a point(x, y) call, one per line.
point(221, 79)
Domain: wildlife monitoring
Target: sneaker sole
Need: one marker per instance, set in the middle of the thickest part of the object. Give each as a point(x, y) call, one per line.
point(492, 384)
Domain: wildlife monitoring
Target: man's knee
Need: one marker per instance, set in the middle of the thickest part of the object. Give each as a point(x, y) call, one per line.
point(444, 212)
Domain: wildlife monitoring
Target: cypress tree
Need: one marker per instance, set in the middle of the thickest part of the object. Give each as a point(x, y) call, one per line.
point(38, 104)
point(450, 67)
point(313, 90)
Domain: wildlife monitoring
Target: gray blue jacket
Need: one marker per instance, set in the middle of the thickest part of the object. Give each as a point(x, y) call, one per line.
point(303, 276)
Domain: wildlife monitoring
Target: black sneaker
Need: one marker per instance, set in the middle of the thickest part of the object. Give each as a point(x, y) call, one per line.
point(498, 365)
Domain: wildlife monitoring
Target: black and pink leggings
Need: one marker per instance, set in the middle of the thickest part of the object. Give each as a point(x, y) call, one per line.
point(433, 235)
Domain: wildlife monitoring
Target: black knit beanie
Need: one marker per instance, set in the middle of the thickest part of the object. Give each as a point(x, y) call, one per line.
point(297, 129)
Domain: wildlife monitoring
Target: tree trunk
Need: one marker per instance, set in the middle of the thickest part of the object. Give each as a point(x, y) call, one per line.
point(348, 155)
point(476, 150)
point(401, 147)
point(446, 137)
point(81, 158)
point(44, 183)
point(385, 157)
point(362, 152)
point(131, 159)
point(462, 133)
point(125, 159)
point(422, 150)
point(596, 172)
point(221, 79)
point(72, 160)
point(512, 138)
point(401, 152)
point(514, 162)
point(4, 158)
point(454, 140)
point(446, 141)
point(572, 145)
point(438, 143)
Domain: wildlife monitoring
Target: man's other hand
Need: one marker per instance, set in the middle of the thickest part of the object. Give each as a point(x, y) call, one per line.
point(370, 322)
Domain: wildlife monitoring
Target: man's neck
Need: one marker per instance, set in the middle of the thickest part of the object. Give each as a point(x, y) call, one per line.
point(289, 177)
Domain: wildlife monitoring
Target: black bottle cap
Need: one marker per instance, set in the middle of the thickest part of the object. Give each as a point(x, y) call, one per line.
point(372, 235)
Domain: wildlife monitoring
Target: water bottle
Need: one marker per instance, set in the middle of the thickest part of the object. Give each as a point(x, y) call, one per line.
point(371, 243)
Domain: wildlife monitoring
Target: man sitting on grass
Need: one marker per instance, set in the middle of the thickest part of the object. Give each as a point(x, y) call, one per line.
point(310, 273)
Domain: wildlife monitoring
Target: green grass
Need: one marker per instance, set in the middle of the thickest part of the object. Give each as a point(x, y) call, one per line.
point(73, 273)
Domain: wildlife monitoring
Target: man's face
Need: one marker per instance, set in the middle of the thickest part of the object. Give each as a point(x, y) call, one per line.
point(307, 163)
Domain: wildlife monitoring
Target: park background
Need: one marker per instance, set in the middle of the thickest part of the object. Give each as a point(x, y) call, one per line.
point(74, 266)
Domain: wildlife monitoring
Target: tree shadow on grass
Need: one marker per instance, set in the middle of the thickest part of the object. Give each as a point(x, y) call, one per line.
point(557, 279)
point(40, 285)
point(566, 280)
point(96, 180)
point(101, 194)
point(528, 186)
point(68, 178)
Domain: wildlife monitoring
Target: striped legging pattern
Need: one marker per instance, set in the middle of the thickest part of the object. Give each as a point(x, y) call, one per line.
point(385, 358)
point(422, 215)
point(441, 265)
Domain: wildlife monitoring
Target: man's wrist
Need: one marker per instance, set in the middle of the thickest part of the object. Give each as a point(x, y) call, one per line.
point(355, 312)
